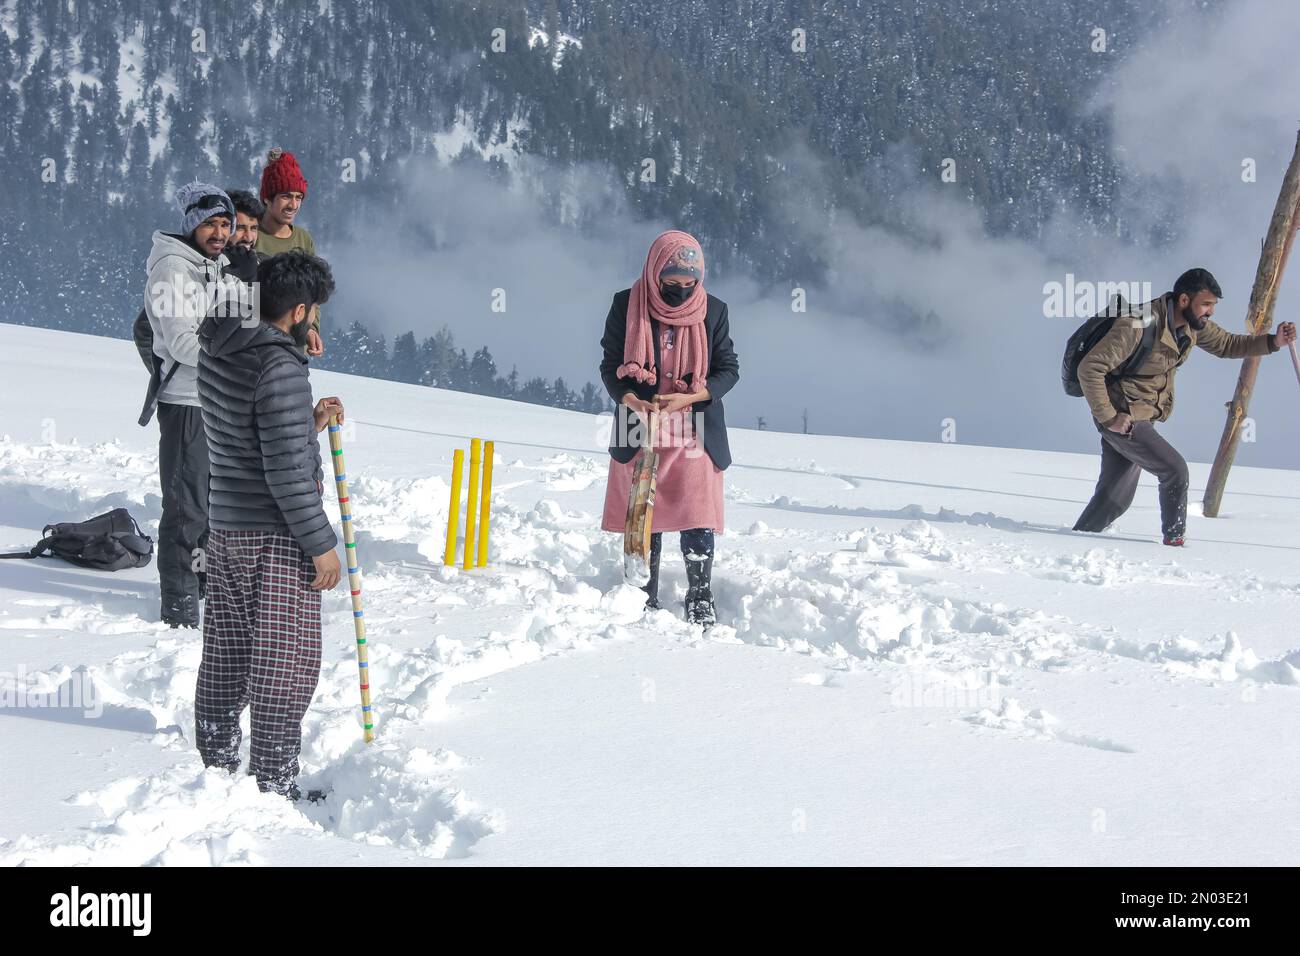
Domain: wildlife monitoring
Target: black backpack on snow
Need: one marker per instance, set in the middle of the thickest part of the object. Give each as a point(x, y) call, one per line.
point(108, 542)
point(1086, 336)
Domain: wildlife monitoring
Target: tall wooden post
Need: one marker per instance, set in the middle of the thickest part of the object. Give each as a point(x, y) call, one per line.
point(1259, 318)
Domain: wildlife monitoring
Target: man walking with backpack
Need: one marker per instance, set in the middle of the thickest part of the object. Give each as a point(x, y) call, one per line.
point(189, 276)
point(1128, 397)
point(271, 548)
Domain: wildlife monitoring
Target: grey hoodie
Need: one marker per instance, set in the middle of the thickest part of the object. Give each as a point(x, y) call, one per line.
point(183, 287)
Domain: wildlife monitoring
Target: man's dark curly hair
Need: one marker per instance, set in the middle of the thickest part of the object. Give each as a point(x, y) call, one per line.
point(247, 203)
point(1197, 280)
point(292, 278)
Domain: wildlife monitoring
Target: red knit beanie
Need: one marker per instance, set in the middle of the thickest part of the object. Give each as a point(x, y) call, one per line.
point(281, 175)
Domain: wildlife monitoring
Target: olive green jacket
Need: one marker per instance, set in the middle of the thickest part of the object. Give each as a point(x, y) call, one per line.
point(1148, 395)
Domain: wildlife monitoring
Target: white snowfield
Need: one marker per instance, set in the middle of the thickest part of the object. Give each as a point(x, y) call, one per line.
point(917, 661)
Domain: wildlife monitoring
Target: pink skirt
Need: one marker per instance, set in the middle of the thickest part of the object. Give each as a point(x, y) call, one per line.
point(688, 489)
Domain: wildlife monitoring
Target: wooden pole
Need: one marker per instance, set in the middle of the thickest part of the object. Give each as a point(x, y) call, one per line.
point(354, 576)
point(1259, 319)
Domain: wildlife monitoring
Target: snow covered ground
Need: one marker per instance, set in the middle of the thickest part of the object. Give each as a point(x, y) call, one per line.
point(919, 663)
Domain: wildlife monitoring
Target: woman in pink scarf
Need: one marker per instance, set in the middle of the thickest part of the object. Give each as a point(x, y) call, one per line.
point(667, 343)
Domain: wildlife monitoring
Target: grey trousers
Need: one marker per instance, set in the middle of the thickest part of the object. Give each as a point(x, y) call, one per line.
point(1123, 458)
point(183, 473)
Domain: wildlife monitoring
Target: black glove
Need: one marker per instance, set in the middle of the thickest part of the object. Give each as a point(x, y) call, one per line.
point(242, 263)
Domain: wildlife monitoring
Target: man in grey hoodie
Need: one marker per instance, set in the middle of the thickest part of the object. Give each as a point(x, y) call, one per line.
point(189, 277)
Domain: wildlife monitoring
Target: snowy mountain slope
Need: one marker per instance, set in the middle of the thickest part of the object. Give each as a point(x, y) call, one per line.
point(918, 662)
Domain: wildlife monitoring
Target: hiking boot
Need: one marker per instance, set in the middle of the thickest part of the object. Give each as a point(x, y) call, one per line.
point(1174, 540)
point(294, 794)
point(311, 796)
point(651, 588)
point(699, 608)
point(182, 611)
point(697, 550)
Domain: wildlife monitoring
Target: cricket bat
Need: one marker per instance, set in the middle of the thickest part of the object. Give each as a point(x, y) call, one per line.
point(640, 511)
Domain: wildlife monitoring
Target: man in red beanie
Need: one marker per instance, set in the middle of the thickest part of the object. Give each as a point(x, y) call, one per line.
point(284, 187)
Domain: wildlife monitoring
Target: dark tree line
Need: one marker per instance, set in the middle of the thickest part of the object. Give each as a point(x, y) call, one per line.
point(756, 146)
point(437, 363)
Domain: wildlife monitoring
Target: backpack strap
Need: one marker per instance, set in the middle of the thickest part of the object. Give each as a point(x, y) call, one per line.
point(135, 524)
point(155, 388)
point(142, 335)
point(36, 551)
point(1133, 364)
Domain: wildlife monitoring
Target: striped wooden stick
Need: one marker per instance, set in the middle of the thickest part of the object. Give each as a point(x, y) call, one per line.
point(354, 575)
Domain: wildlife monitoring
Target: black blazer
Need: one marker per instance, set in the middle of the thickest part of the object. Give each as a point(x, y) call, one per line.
point(724, 372)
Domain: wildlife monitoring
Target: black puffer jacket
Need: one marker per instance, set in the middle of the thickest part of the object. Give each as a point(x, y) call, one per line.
point(257, 413)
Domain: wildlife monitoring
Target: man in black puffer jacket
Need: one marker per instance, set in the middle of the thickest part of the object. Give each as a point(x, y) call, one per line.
point(270, 549)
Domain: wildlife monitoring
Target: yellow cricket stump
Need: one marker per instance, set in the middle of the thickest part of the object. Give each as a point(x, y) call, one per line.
point(486, 513)
point(478, 511)
point(354, 575)
point(475, 454)
point(453, 512)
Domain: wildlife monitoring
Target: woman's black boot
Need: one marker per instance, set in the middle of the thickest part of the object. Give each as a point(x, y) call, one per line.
point(697, 549)
point(652, 587)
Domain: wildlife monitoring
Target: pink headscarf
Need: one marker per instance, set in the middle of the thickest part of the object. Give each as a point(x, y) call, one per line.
point(692, 351)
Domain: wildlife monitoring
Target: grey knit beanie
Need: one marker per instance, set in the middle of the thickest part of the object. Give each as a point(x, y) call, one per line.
point(200, 201)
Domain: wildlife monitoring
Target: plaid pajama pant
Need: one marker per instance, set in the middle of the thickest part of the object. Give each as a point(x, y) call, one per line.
point(261, 649)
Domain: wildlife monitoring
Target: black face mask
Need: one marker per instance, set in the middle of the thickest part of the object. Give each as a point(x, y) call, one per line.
point(675, 295)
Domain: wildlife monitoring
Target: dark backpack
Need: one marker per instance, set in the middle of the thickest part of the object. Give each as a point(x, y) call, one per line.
point(1086, 337)
point(142, 333)
point(109, 542)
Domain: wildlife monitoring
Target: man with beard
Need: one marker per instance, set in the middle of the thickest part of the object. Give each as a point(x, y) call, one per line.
point(189, 277)
point(249, 211)
point(239, 253)
point(1126, 408)
point(271, 548)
